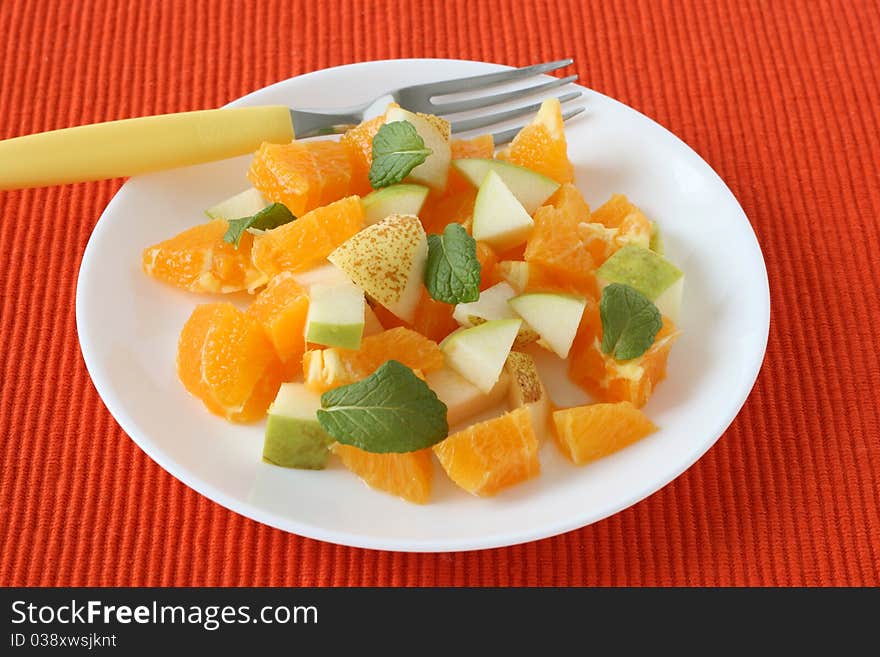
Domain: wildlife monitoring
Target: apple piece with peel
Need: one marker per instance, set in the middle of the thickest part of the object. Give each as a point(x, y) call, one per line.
point(326, 274)
point(336, 315)
point(555, 317)
point(649, 273)
point(462, 398)
point(527, 389)
point(656, 242)
point(530, 188)
point(395, 199)
point(388, 261)
point(434, 171)
point(499, 219)
point(491, 305)
point(479, 353)
point(245, 204)
point(294, 438)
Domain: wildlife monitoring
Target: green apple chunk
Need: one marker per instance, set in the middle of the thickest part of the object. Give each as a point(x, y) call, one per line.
point(479, 353)
point(462, 398)
point(294, 439)
point(499, 219)
point(434, 171)
point(396, 199)
point(555, 317)
point(649, 273)
point(530, 188)
point(387, 260)
point(336, 315)
point(656, 243)
point(245, 204)
point(491, 305)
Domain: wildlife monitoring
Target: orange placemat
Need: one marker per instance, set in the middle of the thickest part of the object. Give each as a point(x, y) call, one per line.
point(781, 98)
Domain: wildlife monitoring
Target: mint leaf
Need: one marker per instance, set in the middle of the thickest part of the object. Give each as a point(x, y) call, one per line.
point(270, 217)
point(397, 150)
point(392, 410)
point(452, 273)
point(630, 321)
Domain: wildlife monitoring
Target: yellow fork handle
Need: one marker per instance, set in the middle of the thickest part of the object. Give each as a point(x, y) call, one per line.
point(133, 146)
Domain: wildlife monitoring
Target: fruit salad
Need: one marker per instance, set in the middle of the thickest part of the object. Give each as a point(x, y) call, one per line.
point(401, 283)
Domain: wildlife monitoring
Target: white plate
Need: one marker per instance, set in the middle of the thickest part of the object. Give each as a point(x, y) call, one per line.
point(128, 326)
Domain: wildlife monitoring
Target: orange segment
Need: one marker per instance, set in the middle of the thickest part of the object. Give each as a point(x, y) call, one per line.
point(569, 199)
point(406, 346)
point(491, 455)
point(433, 318)
point(556, 244)
point(634, 229)
point(440, 211)
point(540, 145)
point(288, 174)
point(598, 240)
point(225, 359)
point(488, 260)
point(387, 318)
point(189, 350)
point(281, 309)
point(304, 243)
point(613, 211)
point(532, 277)
point(405, 475)
point(334, 169)
point(589, 328)
point(199, 260)
point(482, 147)
point(587, 433)
point(611, 380)
point(324, 369)
point(358, 141)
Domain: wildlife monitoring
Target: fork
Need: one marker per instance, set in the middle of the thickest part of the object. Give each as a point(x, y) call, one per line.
point(133, 146)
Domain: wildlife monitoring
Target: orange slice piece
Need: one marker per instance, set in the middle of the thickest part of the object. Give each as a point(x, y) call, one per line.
point(334, 169)
point(304, 243)
point(488, 260)
point(587, 433)
point(556, 244)
point(288, 174)
point(281, 308)
point(611, 380)
point(540, 145)
point(612, 213)
point(405, 475)
point(489, 456)
point(324, 369)
point(199, 260)
point(440, 211)
point(225, 359)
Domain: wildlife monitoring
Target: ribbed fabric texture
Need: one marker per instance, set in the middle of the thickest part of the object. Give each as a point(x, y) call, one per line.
point(780, 97)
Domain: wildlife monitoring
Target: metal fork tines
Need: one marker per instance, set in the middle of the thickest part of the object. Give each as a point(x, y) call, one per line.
point(429, 98)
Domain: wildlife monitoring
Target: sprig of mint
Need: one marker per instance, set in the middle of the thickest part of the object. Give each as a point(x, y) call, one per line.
point(630, 321)
point(452, 273)
point(392, 410)
point(269, 217)
point(397, 150)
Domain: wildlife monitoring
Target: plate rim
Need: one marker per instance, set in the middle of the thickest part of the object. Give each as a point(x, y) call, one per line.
point(256, 513)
